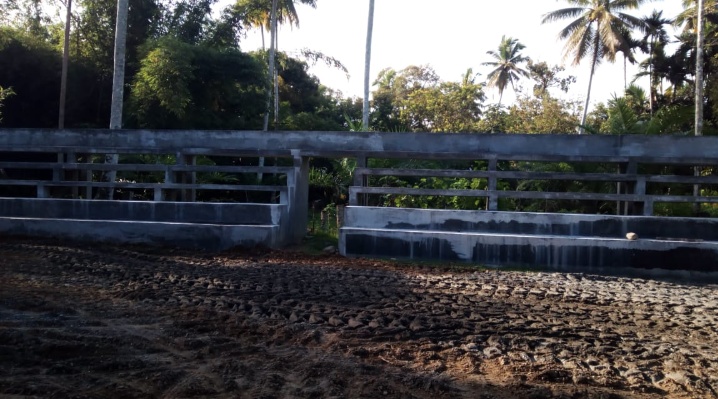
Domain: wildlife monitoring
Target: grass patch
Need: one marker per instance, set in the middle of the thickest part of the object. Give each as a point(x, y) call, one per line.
point(314, 244)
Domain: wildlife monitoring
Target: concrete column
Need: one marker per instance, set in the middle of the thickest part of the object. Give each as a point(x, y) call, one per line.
point(295, 226)
point(634, 208)
point(88, 177)
point(187, 195)
point(492, 202)
point(647, 203)
point(192, 177)
point(363, 180)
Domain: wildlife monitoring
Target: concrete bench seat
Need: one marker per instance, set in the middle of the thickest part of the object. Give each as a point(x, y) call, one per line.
point(202, 225)
point(561, 242)
point(210, 237)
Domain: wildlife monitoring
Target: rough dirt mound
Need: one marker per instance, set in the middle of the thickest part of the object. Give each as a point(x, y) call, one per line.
point(116, 321)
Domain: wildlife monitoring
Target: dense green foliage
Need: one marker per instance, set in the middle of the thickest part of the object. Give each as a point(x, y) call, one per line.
point(186, 70)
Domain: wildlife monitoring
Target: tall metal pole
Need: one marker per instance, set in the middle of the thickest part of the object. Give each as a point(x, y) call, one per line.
point(367, 66)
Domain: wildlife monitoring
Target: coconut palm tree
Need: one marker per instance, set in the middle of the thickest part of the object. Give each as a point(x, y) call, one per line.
point(118, 85)
point(699, 79)
point(65, 62)
point(267, 14)
point(688, 17)
point(257, 13)
point(278, 10)
point(506, 67)
point(594, 31)
point(367, 66)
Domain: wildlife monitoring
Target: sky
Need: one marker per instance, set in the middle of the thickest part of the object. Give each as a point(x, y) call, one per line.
point(450, 38)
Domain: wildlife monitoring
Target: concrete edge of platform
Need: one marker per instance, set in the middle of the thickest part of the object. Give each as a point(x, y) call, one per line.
point(647, 258)
point(211, 237)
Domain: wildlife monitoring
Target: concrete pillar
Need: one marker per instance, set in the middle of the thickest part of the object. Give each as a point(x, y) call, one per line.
point(295, 227)
point(634, 208)
point(492, 202)
point(187, 195)
point(88, 177)
point(363, 180)
point(192, 176)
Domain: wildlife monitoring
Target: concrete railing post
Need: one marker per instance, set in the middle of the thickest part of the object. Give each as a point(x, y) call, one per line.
point(647, 203)
point(187, 195)
point(492, 202)
point(88, 177)
point(295, 225)
point(192, 176)
point(362, 180)
point(636, 207)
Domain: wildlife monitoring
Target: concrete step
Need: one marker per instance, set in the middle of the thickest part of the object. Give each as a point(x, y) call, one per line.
point(648, 257)
point(183, 212)
point(205, 236)
point(530, 223)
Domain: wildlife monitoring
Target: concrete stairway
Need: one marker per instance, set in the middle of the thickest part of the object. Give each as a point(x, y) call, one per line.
point(564, 242)
point(209, 226)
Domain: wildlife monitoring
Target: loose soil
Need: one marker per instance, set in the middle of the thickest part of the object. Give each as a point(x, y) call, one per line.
point(100, 321)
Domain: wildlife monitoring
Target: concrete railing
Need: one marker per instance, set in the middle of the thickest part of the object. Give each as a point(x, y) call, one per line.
point(629, 186)
point(63, 166)
point(56, 182)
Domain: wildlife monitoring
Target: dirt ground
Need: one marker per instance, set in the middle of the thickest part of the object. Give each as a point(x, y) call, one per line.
point(100, 321)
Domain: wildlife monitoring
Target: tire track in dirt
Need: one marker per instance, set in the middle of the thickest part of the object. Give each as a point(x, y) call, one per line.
point(548, 333)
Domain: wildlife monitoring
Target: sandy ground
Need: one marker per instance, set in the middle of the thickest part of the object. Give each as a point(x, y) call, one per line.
point(99, 321)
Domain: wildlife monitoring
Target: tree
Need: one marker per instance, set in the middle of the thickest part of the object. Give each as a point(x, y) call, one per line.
point(699, 75)
point(31, 66)
point(4, 94)
point(255, 14)
point(118, 88)
point(196, 86)
point(449, 107)
point(506, 67)
point(267, 14)
point(272, 54)
point(545, 115)
point(622, 117)
point(654, 35)
point(629, 45)
point(65, 63)
point(546, 77)
point(595, 32)
point(367, 66)
point(190, 20)
point(688, 18)
point(394, 88)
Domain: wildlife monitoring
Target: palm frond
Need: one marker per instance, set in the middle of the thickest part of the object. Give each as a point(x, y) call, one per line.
point(579, 44)
point(624, 4)
point(565, 13)
point(571, 28)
